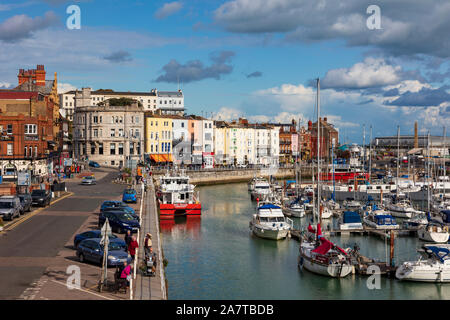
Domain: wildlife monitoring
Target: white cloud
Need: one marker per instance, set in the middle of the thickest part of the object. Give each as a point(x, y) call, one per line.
point(64, 87)
point(370, 73)
point(227, 114)
point(168, 9)
point(5, 85)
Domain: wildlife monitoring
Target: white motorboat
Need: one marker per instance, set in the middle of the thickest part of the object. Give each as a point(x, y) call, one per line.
point(401, 209)
point(295, 209)
point(352, 205)
point(350, 220)
point(433, 232)
point(325, 259)
point(379, 219)
point(432, 266)
point(251, 183)
point(418, 220)
point(261, 189)
point(326, 213)
point(269, 222)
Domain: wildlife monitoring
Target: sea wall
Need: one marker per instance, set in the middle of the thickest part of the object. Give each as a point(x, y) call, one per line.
point(230, 176)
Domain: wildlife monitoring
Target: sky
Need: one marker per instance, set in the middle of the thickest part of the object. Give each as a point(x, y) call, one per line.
point(249, 58)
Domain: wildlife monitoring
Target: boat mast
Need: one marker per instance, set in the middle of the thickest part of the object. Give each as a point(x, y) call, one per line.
point(318, 148)
point(364, 147)
point(428, 172)
point(444, 169)
point(370, 154)
point(398, 158)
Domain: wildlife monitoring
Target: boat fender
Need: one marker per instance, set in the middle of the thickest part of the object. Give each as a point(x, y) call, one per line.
point(273, 225)
point(446, 229)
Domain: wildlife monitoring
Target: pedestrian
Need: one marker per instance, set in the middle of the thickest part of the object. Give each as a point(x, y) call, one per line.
point(128, 238)
point(132, 247)
point(147, 244)
point(126, 273)
point(154, 259)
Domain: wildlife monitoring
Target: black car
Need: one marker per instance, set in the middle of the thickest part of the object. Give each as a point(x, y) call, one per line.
point(122, 211)
point(40, 197)
point(25, 201)
point(120, 222)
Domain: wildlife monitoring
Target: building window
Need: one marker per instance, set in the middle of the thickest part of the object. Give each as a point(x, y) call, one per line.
point(112, 148)
point(131, 148)
point(95, 119)
point(182, 124)
point(96, 133)
point(120, 148)
point(35, 152)
point(120, 132)
point(136, 133)
point(9, 129)
point(151, 148)
point(30, 129)
point(137, 119)
point(138, 148)
point(113, 132)
point(100, 148)
point(92, 148)
point(25, 153)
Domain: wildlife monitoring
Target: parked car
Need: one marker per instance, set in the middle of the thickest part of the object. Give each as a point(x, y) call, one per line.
point(10, 207)
point(91, 250)
point(129, 195)
point(88, 180)
point(116, 204)
point(94, 164)
point(25, 201)
point(96, 234)
point(41, 197)
point(123, 211)
point(120, 222)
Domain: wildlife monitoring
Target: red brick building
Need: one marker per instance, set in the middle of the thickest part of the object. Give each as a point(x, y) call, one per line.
point(327, 134)
point(26, 131)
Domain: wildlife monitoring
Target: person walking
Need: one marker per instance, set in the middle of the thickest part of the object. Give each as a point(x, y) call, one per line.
point(126, 273)
point(132, 247)
point(128, 238)
point(147, 244)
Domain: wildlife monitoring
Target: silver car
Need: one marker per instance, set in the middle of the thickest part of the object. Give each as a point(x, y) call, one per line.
point(89, 180)
point(10, 207)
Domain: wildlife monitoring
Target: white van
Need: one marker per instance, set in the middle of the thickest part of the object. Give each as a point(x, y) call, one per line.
point(10, 207)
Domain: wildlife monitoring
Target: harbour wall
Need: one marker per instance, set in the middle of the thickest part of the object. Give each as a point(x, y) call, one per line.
point(207, 177)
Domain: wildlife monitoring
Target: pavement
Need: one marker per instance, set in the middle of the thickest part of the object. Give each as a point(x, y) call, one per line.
point(150, 288)
point(36, 251)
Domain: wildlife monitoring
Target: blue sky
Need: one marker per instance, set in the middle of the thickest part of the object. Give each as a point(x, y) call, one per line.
point(252, 58)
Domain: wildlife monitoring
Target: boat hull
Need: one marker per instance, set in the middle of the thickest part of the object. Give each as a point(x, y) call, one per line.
point(436, 237)
point(272, 234)
point(169, 211)
point(329, 270)
point(423, 273)
point(294, 212)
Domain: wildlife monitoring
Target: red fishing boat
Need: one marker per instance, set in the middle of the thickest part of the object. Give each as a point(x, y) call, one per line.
point(176, 196)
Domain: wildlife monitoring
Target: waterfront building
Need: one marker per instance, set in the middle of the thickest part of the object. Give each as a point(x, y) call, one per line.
point(196, 136)
point(166, 102)
point(241, 143)
point(413, 144)
point(288, 141)
point(181, 142)
point(110, 135)
point(158, 138)
point(327, 134)
point(26, 133)
point(304, 142)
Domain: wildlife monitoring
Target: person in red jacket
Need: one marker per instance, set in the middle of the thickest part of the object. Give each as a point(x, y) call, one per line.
point(132, 247)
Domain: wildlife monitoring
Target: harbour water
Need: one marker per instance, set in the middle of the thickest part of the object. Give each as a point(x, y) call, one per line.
point(216, 257)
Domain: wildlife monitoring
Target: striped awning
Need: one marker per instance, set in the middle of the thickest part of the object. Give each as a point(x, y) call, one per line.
point(161, 157)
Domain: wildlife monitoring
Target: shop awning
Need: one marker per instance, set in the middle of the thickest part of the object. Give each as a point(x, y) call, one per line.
point(161, 157)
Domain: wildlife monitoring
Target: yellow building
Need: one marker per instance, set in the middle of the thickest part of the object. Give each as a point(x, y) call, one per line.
point(158, 138)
